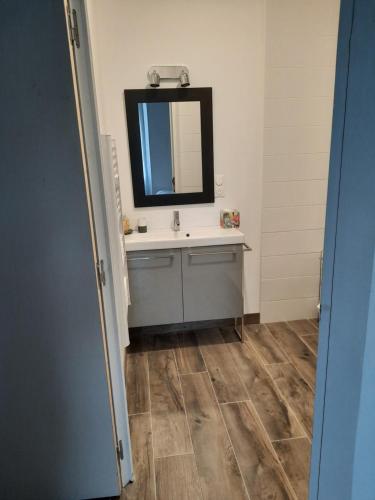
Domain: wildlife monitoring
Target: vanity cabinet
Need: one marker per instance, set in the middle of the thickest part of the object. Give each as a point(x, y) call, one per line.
point(185, 285)
point(212, 282)
point(155, 287)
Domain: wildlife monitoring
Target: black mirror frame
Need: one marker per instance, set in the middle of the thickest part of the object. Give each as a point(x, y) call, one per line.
point(204, 96)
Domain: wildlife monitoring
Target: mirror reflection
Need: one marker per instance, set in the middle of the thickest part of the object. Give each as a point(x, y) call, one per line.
point(171, 147)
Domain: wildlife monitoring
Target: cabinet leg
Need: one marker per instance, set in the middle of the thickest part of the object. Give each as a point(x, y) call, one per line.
point(239, 328)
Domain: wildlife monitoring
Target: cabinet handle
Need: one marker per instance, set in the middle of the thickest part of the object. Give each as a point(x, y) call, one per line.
point(171, 256)
point(212, 253)
point(246, 247)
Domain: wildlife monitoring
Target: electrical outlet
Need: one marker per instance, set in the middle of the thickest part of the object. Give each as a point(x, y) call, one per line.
point(219, 186)
point(219, 191)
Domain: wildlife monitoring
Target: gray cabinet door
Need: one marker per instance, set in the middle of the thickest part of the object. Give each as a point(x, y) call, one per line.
point(212, 282)
point(155, 287)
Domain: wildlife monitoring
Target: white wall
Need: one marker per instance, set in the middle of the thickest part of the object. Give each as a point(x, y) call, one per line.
point(222, 43)
point(268, 57)
point(301, 37)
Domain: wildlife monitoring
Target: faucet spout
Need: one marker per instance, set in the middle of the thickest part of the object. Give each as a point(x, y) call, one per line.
point(176, 220)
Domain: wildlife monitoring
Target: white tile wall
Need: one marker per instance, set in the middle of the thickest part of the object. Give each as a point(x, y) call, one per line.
point(292, 242)
point(297, 218)
point(297, 139)
point(300, 50)
point(192, 142)
point(300, 111)
point(301, 37)
point(292, 193)
point(187, 154)
point(291, 167)
point(286, 266)
point(299, 82)
point(189, 108)
point(288, 310)
point(303, 17)
point(189, 123)
point(290, 288)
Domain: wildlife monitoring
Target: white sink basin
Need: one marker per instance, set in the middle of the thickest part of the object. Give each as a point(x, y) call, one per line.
point(197, 237)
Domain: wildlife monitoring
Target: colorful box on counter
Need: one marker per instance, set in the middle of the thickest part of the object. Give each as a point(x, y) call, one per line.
point(229, 218)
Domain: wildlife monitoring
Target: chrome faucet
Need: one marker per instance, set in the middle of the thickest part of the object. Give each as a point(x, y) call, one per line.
point(176, 220)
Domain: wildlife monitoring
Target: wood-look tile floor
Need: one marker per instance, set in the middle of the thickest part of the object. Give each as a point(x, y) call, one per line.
point(214, 418)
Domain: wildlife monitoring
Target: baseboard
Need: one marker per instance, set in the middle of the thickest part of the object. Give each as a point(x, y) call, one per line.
point(253, 318)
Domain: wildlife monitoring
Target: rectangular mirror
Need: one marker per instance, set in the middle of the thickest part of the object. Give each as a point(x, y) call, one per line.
point(171, 145)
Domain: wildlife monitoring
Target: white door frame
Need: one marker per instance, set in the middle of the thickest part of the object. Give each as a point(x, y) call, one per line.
point(90, 141)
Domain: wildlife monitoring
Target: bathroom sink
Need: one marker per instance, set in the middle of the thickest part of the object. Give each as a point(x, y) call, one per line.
point(166, 238)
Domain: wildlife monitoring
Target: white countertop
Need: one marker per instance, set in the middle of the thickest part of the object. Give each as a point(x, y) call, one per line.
point(195, 237)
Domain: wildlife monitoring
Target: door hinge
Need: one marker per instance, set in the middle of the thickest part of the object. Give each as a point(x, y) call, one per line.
point(101, 272)
point(120, 450)
point(73, 28)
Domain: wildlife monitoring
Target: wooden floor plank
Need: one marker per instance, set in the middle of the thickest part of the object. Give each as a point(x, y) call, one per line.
point(143, 462)
point(299, 354)
point(137, 387)
point(188, 356)
point(315, 322)
point(163, 341)
point(263, 475)
point(274, 413)
point(311, 341)
point(303, 327)
point(223, 373)
point(265, 345)
point(170, 430)
point(219, 474)
point(229, 334)
point(138, 343)
point(297, 393)
point(177, 478)
point(294, 456)
point(275, 369)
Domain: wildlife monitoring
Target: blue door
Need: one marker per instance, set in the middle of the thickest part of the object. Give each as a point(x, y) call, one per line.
point(343, 402)
point(56, 429)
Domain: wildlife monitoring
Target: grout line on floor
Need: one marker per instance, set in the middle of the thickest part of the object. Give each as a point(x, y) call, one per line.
point(263, 428)
point(152, 431)
point(277, 364)
point(183, 399)
point(260, 357)
point(234, 402)
point(278, 344)
point(180, 347)
point(286, 402)
point(224, 424)
point(266, 437)
point(300, 334)
point(288, 439)
point(307, 345)
point(289, 357)
point(312, 321)
point(187, 423)
point(192, 373)
point(283, 398)
point(186, 454)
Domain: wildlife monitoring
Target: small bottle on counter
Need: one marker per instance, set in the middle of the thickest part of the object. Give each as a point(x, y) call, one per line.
point(142, 225)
